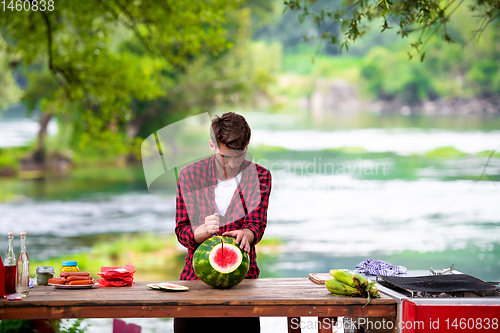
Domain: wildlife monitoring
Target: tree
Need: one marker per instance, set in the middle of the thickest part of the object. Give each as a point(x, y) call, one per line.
point(9, 91)
point(423, 18)
point(85, 53)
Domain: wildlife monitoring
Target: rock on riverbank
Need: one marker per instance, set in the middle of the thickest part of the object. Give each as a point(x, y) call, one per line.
point(340, 96)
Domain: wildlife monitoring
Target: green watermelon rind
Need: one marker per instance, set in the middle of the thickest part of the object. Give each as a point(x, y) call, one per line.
point(210, 276)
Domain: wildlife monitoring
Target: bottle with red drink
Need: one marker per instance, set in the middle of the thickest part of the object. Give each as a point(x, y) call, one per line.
point(2, 279)
point(10, 267)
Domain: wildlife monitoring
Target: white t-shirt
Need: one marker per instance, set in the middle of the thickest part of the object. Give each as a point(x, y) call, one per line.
point(224, 193)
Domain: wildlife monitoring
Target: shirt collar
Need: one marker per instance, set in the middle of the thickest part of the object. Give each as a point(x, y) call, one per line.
point(212, 178)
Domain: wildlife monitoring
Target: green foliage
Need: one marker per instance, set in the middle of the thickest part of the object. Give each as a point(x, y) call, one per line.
point(450, 71)
point(135, 243)
point(421, 18)
point(298, 73)
point(323, 65)
point(75, 327)
point(485, 76)
point(488, 153)
point(388, 74)
point(468, 68)
point(7, 196)
point(9, 157)
point(445, 152)
point(114, 72)
point(268, 149)
point(10, 93)
point(88, 63)
point(338, 67)
point(297, 38)
point(154, 256)
point(260, 151)
point(348, 150)
point(24, 326)
point(15, 326)
point(270, 241)
point(298, 64)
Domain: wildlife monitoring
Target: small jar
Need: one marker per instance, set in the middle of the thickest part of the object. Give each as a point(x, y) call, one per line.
point(69, 266)
point(43, 274)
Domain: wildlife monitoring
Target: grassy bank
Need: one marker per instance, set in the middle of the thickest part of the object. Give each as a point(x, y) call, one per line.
point(264, 151)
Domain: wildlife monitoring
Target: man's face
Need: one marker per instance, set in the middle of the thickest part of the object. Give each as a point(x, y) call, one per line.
point(229, 159)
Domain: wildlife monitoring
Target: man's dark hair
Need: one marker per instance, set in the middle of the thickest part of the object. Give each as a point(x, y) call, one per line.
point(232, 130)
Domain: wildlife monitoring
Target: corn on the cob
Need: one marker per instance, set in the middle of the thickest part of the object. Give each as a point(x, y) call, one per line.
point(373, 291)
point(347, 284)
point(361, 281)
point(345, 277)
point(339, 288)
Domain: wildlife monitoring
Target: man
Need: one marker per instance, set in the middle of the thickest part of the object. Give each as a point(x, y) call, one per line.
point(224, 194)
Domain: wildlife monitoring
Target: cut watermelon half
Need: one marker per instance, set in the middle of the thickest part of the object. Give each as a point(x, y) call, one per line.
point(220, 263)
point(225, 259)
point(171, 287)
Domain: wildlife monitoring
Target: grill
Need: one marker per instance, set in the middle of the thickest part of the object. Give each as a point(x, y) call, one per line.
point(451, 283)
point(441, 303)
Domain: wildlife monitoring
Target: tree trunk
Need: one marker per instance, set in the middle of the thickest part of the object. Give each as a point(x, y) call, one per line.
point(39, 154)
point(34, 166)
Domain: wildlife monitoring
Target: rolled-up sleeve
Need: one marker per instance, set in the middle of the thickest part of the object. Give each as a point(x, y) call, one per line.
point(256, 221)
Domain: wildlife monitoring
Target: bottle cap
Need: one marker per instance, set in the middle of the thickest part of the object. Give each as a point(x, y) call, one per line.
point(69, 263)
point(11, 234)
point(23, 234)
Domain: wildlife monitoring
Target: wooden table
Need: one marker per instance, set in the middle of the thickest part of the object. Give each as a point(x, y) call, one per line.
point(290, 297)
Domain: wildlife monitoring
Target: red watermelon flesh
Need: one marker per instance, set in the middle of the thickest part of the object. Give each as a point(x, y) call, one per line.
point(227, 258)
point(172, 287)
point(153, 286)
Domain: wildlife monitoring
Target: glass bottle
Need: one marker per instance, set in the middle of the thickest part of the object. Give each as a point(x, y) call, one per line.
point(2, 279)
point(23, 269)
point(10, 267)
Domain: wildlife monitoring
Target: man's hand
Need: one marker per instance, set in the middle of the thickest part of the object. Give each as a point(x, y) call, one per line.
point(212, 224)
point(208, 229)
point(244, 237)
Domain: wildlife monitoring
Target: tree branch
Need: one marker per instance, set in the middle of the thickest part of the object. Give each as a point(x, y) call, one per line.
point(55, 70)
point(484, 168)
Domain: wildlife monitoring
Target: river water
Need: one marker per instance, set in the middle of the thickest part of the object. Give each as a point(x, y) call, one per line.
point(345, 188)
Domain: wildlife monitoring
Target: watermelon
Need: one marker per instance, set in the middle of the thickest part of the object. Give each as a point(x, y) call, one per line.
point(220, 263)
point(153, 286)
point(171, 287)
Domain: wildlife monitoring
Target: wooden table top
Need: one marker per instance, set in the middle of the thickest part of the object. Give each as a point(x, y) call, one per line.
point(252, 298)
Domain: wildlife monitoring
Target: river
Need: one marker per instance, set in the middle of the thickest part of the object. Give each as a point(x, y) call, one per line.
point(345, 188)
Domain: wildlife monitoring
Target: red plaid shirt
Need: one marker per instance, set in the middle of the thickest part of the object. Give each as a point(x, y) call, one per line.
point(196, 200)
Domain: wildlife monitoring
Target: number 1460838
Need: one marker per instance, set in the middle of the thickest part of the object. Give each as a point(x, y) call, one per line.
point(27, 5)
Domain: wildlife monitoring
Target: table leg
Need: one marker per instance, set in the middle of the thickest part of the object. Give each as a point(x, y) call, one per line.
point(294, 325)
point(325, 324)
